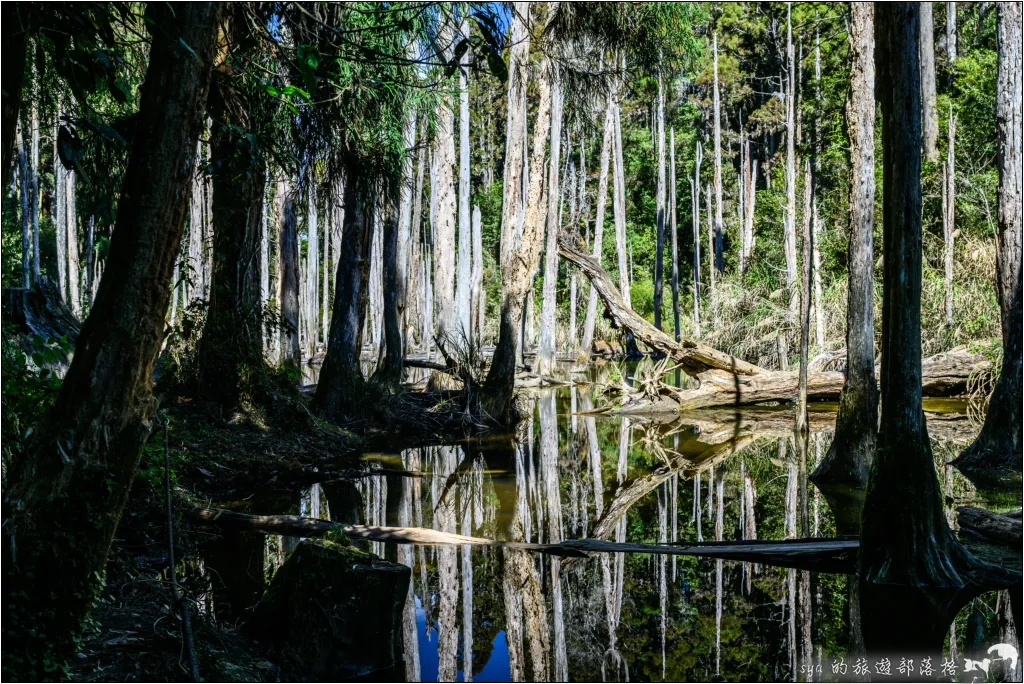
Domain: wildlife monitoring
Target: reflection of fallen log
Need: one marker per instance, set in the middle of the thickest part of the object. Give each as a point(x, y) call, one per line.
point(824, 555)
point(1005, 528)
point(726, 380)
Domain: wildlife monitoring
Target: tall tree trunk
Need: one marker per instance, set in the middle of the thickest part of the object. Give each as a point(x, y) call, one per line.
point(951, 41)
point(341, 375)
point(751, 203)
point(789, 237)
point(674, 231)
point(23, 193)
point(373, 331)
point(390, 368)
point(445, 330)
point(324, 277)
point(805, 310)
point(695, 194)
point(948, 218)
point(479, 298)
point(90, 262)
point(999, 444)
point(65, 494)
point(407, 230)
point(712, 270)
point(719, 263)
point(232, 343)
point(601, 202)
point(544, 363)
point(909, 558)
point(659, 200)
point(310, 280)
point(35, 177)
point(853, 445)
point(929, 108)
point(463, 285)
point(619, 211)
point(264, 257)
point(74, 260)
point(501, 376)
point(416, 236)
point(288, 277)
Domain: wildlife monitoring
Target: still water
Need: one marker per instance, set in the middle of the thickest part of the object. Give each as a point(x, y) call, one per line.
point(484, 614)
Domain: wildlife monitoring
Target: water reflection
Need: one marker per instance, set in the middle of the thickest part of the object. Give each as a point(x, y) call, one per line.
point(487, 614)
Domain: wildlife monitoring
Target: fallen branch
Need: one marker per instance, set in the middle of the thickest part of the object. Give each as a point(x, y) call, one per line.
point(824, 555)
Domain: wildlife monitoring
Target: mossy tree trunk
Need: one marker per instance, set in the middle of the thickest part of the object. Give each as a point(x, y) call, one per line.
point(64, 497)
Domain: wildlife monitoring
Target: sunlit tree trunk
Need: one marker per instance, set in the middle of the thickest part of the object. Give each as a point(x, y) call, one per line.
point(853, 445)
point(712, 270)
point(789, 235)
point(64, 496)
point(948, 218)
point(999, 444)
point(659, 201)
point(695, 193)
point(390, 368)
point(674, 233)
point(34, 158)
point(929, 108)
point(805, 302)
point(719, 227)
point(23, 194)
point(544, 362)
point(518, 260)
point(407, 229)
point(444, 220)
point(590, 322)
point(478, 302)
point(310, 280)
point(951, 40)
point(464, 286)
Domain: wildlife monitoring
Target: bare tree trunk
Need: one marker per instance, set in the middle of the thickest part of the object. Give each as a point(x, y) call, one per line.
point(341, 375)
point(464, 286)
point(805, 308)
point(518, 258)
point(63, 498)
point(35, 177)
point(675, 232)
point(71, 223)
point(951, 40)
point(444, 224)
point(288, 277)
point(23, 192)
point(601, 204)
point(264, 255)
point(408, 230)
point(948, 218)
point(929, 108)
point(479, 298)
point(748, 242)
point(660, 218)
point(544, 362)
point(390, 368)
point(311, 281)
point(619, 210)
point(819, 315)
point(712, 271)
point(999, 444)
point(90, 263)
point(417, 271)
point(789, 237)
point(853, 445)
point(695, 193)
point(719, 263)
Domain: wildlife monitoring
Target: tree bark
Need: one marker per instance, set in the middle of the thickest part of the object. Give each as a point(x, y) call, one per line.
point(695, 193)
point(479, 298)
point(659, 200)
point(719, 227)
point(445, 331)
point(288, 277)
point(310, 281)
point(23, 193)
point(853, 445)
point(390, 368)
point(674, 230)
point(929, 108)
point(805, 307)
point(789, 237)
point(340, 374)
point(232, 343)
point(35, 180)
point(65, 494)
point(999, 444)
point(544, 362)
point(951, 41)
point(601, 202)
point(948, 216)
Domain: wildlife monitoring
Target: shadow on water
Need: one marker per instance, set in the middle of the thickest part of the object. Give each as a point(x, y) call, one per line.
point(489, 614)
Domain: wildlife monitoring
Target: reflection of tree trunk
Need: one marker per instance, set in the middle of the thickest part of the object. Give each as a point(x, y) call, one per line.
point(406, 556)
point(447, 573)
point(467, 581)
point(719, 528)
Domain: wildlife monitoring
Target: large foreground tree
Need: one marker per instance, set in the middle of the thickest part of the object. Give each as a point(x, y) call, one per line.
point(65, 495)
point(997, 449)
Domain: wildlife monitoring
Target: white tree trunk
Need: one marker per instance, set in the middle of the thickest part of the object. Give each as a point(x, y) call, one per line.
point(60, 215)
point(717, 249)
point(929, 108)
point(619, 211)
point(601, 205)
point(444, 220)
point(479, 297)
point(312, 271)
point(545, 360)
point(949, 216)
point(463, 287)
point(789, 238)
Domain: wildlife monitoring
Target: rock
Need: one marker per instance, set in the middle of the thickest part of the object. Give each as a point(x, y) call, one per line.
point(333, 613)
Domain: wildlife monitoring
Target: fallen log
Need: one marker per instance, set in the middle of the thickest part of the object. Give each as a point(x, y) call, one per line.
point(1005, 529)
point(728, 381)
point(823, 555)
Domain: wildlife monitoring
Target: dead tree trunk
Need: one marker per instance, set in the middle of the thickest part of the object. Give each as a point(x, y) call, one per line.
point(544, 362)
point(929, 108)
point(601, 204)
point(853, 446)
point(444, 220)
point(390, 368)
point(660, 218)
point(999, 444)
point(719, 227)
point(463, 285)
point(675, 232)
point(65, 494)
point(789, 236)
point(948, 218)
point(805, 308)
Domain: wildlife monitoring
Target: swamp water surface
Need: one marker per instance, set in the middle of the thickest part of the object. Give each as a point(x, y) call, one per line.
point(489, 614)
